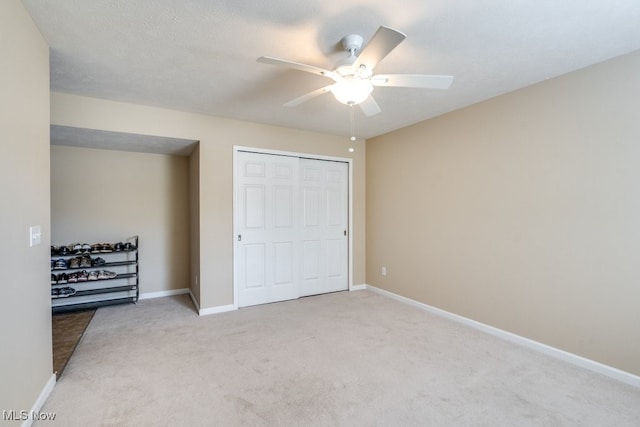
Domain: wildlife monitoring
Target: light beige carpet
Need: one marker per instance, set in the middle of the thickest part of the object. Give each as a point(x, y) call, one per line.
point(344, 359)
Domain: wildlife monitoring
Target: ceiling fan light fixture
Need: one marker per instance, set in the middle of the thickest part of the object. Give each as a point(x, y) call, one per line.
point(354, 77)
point(351, 91)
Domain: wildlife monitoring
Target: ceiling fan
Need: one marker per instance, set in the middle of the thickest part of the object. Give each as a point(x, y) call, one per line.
point(354, 79)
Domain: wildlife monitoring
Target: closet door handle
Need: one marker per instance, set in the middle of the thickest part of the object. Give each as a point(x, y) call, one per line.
point(239, 237)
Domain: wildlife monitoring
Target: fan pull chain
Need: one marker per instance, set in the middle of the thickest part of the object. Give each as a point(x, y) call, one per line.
point(352, 122)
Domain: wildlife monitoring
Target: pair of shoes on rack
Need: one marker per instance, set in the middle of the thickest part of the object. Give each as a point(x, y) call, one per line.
point(85, 276)
point(58, 264)
point(97, 248)
point(59, 250)
point(80, 262)
point(67, 291)
point(101, 248)
point(83, 261)
point(79, 248)
point(82, 276)
point(124, 247)
point(59, 279)
point(104, 274)
point(74, 248)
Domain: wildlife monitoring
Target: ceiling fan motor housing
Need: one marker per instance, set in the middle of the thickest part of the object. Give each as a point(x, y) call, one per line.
point(352, 43)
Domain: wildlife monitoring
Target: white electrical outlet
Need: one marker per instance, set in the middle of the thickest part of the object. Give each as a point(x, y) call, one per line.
point(384, 271)
point(35, 235)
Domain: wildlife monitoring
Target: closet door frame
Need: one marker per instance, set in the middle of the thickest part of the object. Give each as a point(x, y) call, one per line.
point(236, 219)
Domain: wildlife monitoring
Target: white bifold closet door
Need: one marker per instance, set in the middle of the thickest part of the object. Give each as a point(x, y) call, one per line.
point(291, 223)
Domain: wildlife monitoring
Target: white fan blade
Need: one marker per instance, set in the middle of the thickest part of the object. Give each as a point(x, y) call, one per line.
point(296, 66)
point(370, 107)
point(308, 96)
point(381, 44)
point(421, 81)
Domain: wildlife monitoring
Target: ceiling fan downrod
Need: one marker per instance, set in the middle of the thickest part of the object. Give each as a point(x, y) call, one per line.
point(352, 44)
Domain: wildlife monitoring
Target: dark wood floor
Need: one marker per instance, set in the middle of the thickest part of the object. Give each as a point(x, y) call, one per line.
point(67, 329)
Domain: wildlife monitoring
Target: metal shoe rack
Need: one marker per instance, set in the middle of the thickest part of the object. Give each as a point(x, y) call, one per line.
point(122, 285)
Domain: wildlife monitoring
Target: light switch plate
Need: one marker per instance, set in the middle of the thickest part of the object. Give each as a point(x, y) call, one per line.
point(35, 235)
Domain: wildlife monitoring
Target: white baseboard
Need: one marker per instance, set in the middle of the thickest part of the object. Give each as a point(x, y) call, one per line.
point(216, 310)
point(211, 310)
point(42, 398)
point(358, 287)
point(574, 359)
point(160, 294)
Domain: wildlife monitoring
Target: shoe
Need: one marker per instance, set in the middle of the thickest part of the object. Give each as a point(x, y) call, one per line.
point(103, 274)
point(55, 292)
point(54, 250)
point(83, 276)
point(76, 248)
point(107, 247)
point(60, 264)
point(54, 279)
point(85, 261)
point(98, 262)
point(96, 249)
point(63, 250)
point(86, 248)
point(129, 246)
point(93, 275)
point(67, 291)
point(63, 278)
point(74, 262)
point(73, 278)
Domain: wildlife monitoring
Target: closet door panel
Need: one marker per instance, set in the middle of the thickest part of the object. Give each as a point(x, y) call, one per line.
point(267, 242)
point(328, 182)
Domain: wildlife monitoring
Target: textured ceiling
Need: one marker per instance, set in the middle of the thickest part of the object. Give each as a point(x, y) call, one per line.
point(200, 55)
point(107, 140)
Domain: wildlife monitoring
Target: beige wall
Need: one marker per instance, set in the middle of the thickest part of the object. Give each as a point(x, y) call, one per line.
point(217, 137)
point(25, 302)
point(109, 196)
point(194, 221)
point(522, 212)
